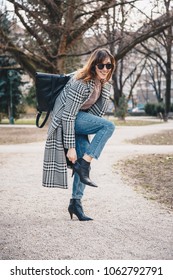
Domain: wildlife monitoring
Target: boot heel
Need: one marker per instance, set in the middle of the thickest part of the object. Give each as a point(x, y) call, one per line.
point(71, 215)
point(73, 171)
point(70, 212)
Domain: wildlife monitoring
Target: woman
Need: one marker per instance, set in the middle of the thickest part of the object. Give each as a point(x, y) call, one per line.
point(77, 113)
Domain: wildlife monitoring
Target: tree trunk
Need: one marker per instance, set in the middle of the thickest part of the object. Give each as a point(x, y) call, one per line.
point(168, 70)
point(117, 92)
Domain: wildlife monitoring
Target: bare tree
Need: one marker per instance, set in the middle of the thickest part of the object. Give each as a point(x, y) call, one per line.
point(155, 68)
point(54, 28)
point(159, 62)
point(168, 38)
point(58, 31)
point(155, 80)
point(122, 39)
point(134, 76)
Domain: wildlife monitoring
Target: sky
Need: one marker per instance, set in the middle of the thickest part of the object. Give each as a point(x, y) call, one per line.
point(143, 3)
point(5, 2)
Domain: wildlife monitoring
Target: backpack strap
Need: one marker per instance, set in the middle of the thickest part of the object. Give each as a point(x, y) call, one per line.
point(44, 121)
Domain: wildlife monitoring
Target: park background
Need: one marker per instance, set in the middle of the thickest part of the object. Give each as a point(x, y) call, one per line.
point(135, 203)
point(56, 37)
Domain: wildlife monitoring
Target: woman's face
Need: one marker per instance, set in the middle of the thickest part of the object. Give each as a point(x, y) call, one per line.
point(102, 72)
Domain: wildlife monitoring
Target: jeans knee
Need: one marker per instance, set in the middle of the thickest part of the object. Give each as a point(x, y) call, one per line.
point(111, 127)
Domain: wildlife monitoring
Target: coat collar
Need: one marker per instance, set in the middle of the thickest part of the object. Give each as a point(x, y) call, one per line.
point(105, 87)
point(90, 85)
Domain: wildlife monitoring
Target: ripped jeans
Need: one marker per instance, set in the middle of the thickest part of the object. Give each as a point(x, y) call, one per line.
point(89, 124)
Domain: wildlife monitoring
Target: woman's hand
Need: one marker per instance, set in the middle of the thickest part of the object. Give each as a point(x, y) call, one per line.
point(71, 154)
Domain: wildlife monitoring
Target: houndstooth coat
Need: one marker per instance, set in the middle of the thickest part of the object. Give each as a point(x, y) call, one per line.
point(61, 132)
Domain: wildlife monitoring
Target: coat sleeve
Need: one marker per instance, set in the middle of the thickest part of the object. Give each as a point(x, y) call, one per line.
point(74, 100)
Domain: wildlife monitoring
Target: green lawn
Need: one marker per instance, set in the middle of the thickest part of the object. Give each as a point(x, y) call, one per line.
point(117, 122)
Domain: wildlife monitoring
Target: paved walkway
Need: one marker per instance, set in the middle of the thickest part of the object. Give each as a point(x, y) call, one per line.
point(35, 224)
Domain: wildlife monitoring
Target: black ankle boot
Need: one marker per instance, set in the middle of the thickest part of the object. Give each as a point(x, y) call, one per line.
point(75, 207)
point(82, 168)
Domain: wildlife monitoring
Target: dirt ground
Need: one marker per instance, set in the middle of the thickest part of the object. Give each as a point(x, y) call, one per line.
point(18, 135)
point(36, 225)
point(152, 174)
point(164, 138)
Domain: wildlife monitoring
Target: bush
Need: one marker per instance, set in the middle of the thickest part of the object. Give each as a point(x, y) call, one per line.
point(153, 109)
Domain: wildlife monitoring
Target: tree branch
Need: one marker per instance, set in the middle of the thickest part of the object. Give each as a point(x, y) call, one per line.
point(145, 32)
point(84, 27)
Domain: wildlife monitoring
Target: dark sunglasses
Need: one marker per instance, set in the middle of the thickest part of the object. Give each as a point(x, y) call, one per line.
point(108, 66)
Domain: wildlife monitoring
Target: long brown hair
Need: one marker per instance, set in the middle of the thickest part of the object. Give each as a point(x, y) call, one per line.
point(88, 71)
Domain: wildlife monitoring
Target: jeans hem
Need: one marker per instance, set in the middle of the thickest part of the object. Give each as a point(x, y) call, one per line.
point(77, 197)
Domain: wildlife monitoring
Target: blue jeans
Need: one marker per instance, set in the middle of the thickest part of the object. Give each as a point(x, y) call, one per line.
point(85, 125)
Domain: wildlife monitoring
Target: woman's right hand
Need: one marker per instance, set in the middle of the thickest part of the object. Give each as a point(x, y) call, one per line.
point(71, 155)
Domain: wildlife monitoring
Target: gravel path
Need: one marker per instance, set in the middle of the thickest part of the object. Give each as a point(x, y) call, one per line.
point(35, 224)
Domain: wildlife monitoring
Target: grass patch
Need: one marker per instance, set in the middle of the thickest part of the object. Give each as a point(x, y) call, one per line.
point(162, 138)
point(134, 122)
point(18, 135)
point(116, 121)
point(24, 121)
point(151, 175)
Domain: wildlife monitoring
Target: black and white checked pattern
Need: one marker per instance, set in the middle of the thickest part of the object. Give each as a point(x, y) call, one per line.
point(61, 132)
